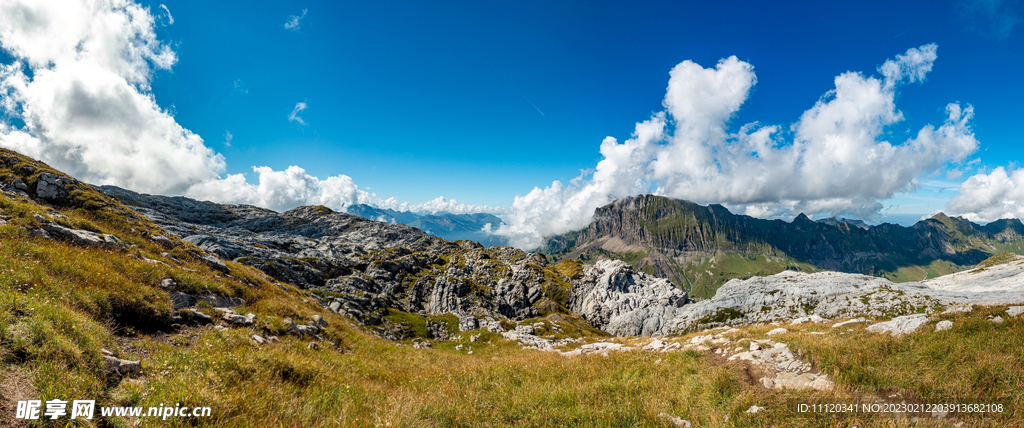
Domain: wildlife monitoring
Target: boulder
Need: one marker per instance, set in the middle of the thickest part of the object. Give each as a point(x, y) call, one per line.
point(943, 325)
point(1015, 310)
point(216, 264)
point(778, 331)
point(238, 319)
point(900, 325)
point(163, 241)
point(84, 237)
point(120, 368)
point(50, 186)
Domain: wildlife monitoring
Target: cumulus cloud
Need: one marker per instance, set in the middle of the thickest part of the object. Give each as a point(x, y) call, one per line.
point(77, 96)
point(989, 197)
point(284, 190)
point(833, 160)
point(294, 115)
point(294, 21)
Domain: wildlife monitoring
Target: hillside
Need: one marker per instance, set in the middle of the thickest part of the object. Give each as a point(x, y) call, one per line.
point(699, 248)
point(98, 301)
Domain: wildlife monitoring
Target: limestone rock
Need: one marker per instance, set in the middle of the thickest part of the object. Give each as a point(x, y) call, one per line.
point(84, 237)
point(620, 301)
point(943, 325)
point(120, 368)
point(50, 186)
point(674, 421)
point(900, 325)
point(1015, 310)
point(778, 331)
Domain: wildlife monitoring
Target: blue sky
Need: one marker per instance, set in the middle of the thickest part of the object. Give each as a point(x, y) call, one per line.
point(480, 101)
point(417, 101)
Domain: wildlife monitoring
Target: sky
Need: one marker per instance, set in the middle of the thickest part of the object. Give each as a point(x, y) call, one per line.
point(536, 111)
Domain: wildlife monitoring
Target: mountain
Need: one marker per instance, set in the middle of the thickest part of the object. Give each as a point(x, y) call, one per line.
point(261, 316)
point(452, 227)
point(700, 247)
point(835, 221)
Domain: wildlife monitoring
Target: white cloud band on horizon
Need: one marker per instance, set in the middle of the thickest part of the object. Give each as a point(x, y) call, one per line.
point(836, 161)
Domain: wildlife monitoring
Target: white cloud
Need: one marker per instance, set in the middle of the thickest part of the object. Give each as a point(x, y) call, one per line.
point(294, 21)
point(989, 197)
point(170, 19)
point(837, 160)
point(85, 103)
point(284, 190)
point(436, 205)
point(87, 110)
point(293, 116)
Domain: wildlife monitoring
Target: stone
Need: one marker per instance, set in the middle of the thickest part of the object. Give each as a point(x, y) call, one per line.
point(674, 421)
point(334, 306)
point(812, 318)
point(474, 337)
point(220, 328)
point(754, 346)
point(168, 284)
point(755, 409)
point(104, 351)
point(996, 319)
point(258, 339)
point(318, 322)
point(778, 331)
point(238, 319)
point(623, 302)
point(943, 325)
point(163, 241)
point(468, 323)
point(655, 345)
point(458, 347)
point(1014, 310)
point(216, 264)
point(767, 382)
point(119, 367)
point(50, 186)
point(84, 237)
point(313, 345)
point(900, 325)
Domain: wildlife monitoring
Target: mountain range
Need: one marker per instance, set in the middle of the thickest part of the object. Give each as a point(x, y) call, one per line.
point(699, 248)
point(452, 227)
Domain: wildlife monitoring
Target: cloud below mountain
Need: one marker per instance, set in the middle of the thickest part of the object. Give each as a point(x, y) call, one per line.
point(834, 159)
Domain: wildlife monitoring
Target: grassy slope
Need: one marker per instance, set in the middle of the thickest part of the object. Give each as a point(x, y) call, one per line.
point(60, 304)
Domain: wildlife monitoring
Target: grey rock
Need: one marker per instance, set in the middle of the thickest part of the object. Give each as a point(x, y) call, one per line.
point(258, 339)
point(168, 284)
point(163, 241)
point(84, 237)
point(943, 325)
point(120, 368)
point(900, 325)
point(238, 319)
point(674, 421)
point(778, 331)
point(620, 301)
point(216, 264)
point(996, 319)
point(50, 186)
point(318, 322)
point(1014, 310)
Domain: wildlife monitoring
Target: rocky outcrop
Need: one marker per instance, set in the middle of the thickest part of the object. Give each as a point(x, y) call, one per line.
point(620, 301)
